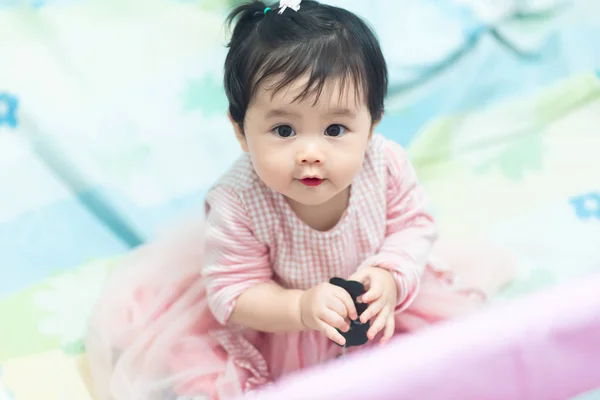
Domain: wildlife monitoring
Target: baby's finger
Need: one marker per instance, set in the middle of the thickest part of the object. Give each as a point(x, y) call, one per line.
point(371, 311)
point(390, 327)
point(378, 324)
point(374, 292)
point(338, 306)
point(360, 275)
point(332, 333)
point(345, 298)
point(334, 319)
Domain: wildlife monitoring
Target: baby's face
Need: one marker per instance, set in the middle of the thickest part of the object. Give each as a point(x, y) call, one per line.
point(309, 152)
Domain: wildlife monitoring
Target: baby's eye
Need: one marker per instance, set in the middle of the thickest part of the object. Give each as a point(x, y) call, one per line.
point(284, 131)
point(335, 130)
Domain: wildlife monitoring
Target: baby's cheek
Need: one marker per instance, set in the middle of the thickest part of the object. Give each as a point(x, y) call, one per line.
point(276, 164)
point(348, 169)
point(273, 169)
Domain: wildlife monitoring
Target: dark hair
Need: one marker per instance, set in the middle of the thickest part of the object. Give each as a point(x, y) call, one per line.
point(319, 40)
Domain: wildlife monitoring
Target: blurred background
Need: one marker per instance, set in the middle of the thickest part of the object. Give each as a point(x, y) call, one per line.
point(113, 126)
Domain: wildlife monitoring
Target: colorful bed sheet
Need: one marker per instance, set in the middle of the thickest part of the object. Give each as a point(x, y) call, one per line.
point(125, 98)
point(128, 93)
point(524, 174)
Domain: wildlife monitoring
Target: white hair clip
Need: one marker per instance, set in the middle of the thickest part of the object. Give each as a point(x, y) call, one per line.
point(293, 4)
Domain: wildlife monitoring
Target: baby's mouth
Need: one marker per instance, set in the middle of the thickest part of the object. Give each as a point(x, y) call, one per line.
point(311, 181)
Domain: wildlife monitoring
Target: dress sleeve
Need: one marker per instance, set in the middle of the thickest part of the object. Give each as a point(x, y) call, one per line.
point(410, 230)
point(235, 259)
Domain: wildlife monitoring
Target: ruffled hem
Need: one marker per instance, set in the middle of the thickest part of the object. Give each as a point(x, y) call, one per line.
point(153, 337)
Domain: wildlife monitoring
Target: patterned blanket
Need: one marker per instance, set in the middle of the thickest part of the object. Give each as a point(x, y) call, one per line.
point(119, 103)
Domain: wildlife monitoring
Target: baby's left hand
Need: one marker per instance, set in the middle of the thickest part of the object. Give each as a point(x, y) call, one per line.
point(381, 295)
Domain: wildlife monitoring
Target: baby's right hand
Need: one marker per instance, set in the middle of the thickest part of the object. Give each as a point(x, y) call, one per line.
point(326, 307)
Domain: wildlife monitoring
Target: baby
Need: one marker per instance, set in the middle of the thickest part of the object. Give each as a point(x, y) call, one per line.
point(246, 298)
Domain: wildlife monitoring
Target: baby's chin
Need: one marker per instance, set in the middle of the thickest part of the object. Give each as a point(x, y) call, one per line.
point(309, 201)
point(313, 198)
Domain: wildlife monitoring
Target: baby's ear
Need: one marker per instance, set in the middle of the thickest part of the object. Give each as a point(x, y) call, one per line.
point(239, 133)
point(374, 125)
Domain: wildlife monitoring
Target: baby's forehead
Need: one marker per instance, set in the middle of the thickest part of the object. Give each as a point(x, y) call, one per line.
point(333, 93)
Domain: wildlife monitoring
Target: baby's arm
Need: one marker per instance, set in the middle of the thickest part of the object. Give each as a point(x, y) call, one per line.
point(410, 230)
point(237, 272)
point(267, 307)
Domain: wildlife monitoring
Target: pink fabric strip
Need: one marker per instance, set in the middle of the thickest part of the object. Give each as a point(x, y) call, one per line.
point(545, 346)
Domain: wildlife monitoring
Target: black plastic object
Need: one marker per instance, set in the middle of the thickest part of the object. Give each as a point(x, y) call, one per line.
point(357, 334)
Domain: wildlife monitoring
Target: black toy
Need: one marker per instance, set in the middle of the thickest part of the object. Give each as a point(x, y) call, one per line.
point(357, 334)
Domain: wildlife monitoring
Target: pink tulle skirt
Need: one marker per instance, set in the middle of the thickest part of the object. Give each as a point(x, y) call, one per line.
point(153, 337)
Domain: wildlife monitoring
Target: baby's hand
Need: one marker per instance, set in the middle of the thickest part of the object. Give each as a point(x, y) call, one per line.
point(381, 295)
point(326, 307)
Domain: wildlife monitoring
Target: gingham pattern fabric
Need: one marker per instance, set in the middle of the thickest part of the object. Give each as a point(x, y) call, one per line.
point(253, 236)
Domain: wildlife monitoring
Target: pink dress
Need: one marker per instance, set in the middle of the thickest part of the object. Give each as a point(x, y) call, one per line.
point(161, 329)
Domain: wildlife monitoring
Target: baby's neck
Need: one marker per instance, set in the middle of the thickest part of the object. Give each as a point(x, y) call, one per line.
point(325, 216)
